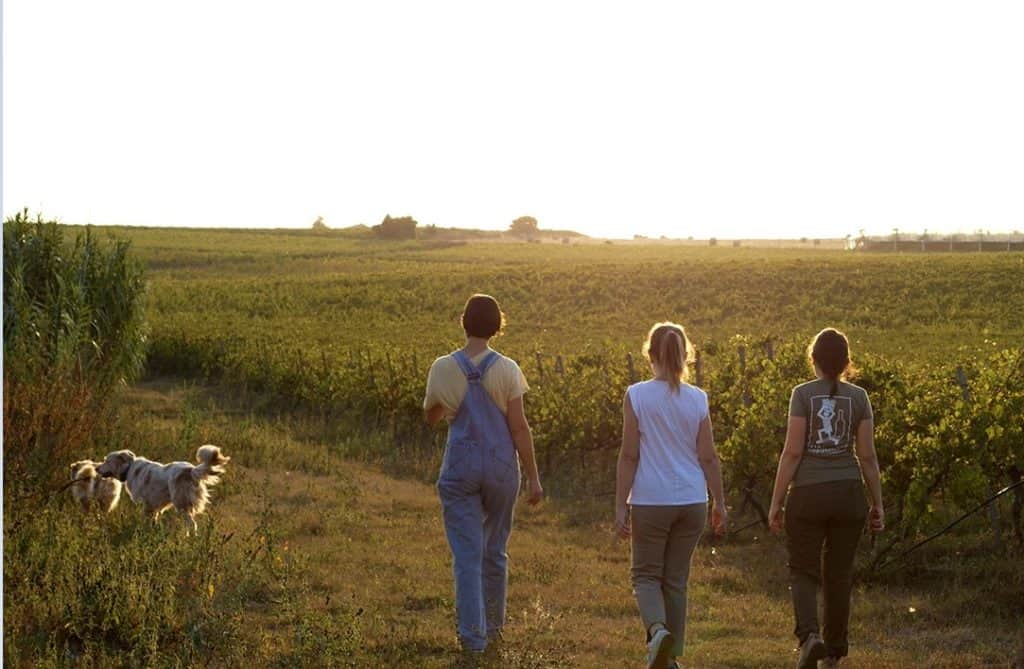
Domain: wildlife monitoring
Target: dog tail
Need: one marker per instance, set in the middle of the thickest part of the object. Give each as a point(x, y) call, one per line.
point(211, 464)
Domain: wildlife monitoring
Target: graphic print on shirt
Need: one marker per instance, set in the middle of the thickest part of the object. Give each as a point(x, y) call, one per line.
point(829, 425)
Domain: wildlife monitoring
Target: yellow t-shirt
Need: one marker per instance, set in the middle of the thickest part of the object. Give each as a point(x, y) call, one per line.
point(446, 384)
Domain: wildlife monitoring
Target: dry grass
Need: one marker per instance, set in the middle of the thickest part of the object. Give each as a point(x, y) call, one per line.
point(372, 541)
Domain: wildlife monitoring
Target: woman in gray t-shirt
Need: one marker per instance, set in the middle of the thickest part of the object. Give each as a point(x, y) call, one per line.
point(829, 447)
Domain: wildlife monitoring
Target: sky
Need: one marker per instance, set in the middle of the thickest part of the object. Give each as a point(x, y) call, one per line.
point(732, 119)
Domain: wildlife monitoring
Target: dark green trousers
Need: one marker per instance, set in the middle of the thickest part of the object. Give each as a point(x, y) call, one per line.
point(823, 526)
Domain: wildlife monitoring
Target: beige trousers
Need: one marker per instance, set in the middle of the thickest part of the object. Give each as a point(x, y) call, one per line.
point(664, 538)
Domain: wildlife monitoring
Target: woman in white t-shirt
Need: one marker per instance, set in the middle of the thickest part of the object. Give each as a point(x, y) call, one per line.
point(666, 465)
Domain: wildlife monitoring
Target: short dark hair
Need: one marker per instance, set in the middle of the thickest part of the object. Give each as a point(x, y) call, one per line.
point(482, 317)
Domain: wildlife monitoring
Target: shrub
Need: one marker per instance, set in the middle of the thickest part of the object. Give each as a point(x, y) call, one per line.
point(73, 330)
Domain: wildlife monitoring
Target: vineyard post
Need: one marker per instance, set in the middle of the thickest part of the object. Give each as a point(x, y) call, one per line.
point(415, 363)
point(540, 366)
point(993, 513)
point(747, 399)
point(769, 349)
point(328, 394)
point(559, 365)
point(632, 368)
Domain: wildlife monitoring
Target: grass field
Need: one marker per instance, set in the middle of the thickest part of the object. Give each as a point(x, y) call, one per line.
point(303, 356)
point(324, 291)
point(365, 542)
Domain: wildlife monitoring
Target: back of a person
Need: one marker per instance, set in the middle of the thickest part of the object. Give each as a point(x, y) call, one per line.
point(447, 384)
point(832, 420)
point(666, 464)
point(669, 471)
point(829, 449)
point(481, 393)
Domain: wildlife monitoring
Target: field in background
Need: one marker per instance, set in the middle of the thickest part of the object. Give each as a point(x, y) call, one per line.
point(317, 292)
point(305, 355)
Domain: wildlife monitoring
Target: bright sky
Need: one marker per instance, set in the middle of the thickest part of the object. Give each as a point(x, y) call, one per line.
point(728, 119)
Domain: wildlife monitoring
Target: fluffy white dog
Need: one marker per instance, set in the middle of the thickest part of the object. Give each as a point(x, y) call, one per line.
point(92, 490)
point(158, 487)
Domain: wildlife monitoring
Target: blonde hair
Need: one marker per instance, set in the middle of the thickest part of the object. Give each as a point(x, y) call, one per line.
point(668, 346)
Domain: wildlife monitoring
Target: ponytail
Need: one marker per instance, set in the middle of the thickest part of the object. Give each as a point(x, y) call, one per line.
point(671, 353)
point(668, 346)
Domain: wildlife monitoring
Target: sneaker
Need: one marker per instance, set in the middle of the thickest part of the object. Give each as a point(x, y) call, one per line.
point(812, 650)
point(659, 648)
point(829, 663)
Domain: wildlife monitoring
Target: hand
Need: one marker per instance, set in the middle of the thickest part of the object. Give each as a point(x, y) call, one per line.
point(876, 519)
point(534, 492)
point(622, 528)
point(719, 518)
point(776, 518)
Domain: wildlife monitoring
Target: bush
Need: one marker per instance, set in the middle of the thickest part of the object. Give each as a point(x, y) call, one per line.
point(73, 330)
point(403, 227)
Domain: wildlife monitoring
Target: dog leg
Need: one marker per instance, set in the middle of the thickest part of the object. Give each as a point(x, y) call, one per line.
point(191, 529)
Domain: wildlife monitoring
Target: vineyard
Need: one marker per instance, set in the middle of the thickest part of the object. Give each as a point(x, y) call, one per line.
point(345, 330)
point(305, 355)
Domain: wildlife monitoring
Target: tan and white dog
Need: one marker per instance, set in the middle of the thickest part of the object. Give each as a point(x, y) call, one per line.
point(92, 490)
point(158, 487)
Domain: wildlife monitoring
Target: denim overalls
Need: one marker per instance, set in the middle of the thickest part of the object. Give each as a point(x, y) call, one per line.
point(478, 485)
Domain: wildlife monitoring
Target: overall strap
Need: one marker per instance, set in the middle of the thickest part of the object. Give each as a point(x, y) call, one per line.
point(473, 372)
point(486, 363)
point(468, 368)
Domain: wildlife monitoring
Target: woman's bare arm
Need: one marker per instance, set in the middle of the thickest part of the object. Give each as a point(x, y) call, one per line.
point(868, 460)
point(789, 460)
point(434, 414)
point(625, 470)
point(523, 440)
point(712, 467)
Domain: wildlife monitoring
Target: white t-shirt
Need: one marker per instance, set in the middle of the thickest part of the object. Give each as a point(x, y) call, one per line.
point(446, 384)
point(669, 472)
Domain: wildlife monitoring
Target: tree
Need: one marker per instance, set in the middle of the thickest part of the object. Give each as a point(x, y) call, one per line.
point(319, 225)
point(402, 227)
point(524, 226)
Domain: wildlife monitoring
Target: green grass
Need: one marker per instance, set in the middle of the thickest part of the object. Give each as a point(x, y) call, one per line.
point(352, 569)
point(312, 291)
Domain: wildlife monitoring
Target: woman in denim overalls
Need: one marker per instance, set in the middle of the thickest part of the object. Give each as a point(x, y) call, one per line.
point(479, 478)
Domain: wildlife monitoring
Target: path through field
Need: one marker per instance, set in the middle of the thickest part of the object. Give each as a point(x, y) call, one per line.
point(376, 542)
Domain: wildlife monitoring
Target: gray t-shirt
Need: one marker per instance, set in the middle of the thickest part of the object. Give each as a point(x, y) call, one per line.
point(831, 430)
